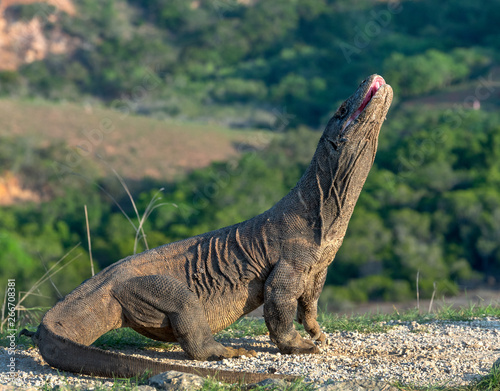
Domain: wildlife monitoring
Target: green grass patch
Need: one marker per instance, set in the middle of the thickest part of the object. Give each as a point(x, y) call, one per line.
point(377, 323)
point(489, 382)
point(128, 338)
point(471, 312)
point(365, 323)
point(244, 327)
point(297, 385)
point(20, 341)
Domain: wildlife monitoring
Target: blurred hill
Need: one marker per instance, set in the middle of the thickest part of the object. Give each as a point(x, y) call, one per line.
point(239, 62)
point(138, 146)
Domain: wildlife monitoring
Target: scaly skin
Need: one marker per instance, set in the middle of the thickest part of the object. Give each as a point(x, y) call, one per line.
point(188, 290)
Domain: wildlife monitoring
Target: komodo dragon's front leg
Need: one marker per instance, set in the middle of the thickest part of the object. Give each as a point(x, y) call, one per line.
point(307, 311)
point(283, 288)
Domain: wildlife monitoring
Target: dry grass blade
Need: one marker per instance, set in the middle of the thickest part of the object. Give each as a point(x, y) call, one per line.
point(46, 276)
point(88, 239)
point(107, 194)
point(140, 228)
point(140, 220)
point(3, 309)
point(433, 295)
point(418, 292)
point(49, 277)
point(149, 209)
point(49, 273)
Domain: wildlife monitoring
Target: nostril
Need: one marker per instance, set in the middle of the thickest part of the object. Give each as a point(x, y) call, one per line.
point(334, 144)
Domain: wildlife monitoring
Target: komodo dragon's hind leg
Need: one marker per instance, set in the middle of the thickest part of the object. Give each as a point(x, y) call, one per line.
point(164, 302)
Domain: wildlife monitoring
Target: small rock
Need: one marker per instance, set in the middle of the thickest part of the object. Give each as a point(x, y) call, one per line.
point(176, 381)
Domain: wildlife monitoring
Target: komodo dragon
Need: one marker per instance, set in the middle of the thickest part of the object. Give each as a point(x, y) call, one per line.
point(188, 290)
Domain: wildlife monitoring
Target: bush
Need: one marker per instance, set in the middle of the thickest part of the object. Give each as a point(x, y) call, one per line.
point(238, 90)
point(423, 73)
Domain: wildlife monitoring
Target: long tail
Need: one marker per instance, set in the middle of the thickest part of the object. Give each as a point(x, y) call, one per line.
point(70, 356)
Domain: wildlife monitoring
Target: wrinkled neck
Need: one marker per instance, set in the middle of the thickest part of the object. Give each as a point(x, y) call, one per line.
point(326, 194)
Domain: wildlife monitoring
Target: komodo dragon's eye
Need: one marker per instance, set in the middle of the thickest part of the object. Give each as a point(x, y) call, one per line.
point(342, 110)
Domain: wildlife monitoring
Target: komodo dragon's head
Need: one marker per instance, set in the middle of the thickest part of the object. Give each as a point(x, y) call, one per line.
point(354, 128)
point(346, 153)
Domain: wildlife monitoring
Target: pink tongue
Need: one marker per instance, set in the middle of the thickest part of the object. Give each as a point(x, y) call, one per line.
point(376, 84)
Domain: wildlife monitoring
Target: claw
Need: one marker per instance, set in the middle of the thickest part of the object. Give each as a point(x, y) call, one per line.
point(231, 353)
point(320, 338)
point(301, 346)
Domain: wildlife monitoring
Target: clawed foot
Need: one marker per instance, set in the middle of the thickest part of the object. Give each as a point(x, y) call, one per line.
point(320, 338)
point(230, 353)
point(299, 345)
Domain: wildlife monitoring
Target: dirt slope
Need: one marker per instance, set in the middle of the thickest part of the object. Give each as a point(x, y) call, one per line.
point(24, 41)
point(135, 146)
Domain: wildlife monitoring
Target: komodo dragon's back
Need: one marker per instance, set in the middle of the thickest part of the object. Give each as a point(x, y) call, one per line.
point(187, 290)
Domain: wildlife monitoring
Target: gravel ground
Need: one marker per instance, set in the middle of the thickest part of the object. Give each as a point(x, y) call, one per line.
point(436, 353)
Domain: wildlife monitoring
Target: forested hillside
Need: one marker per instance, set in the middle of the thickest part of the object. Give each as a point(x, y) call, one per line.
point(431, 204)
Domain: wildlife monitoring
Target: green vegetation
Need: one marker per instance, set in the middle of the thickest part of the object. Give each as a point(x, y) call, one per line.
point(297, 385)
point(126, 337)
point(244, 327)
point(174, 58)
point(490, 382)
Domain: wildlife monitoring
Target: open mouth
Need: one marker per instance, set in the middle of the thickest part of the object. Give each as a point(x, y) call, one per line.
point(374, 87)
